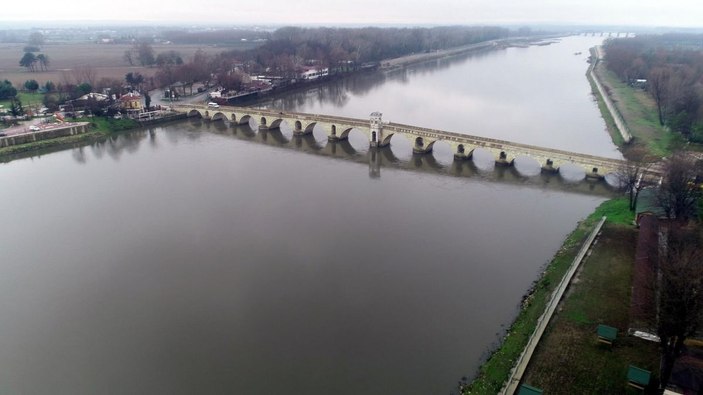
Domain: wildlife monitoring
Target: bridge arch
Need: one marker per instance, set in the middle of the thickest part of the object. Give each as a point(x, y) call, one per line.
point(309, 129)
point(356, 138)
point(572, 172)
point(276, 124)
point(345, 133)
point(387, 139)
point(527, 165)
point(442, 151)
point(194, 113)
point(218, 116)
point(245, 120)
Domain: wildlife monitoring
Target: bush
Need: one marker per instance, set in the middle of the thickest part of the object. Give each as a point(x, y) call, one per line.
point(7, 90)
point(49, 86)
point(31, 85)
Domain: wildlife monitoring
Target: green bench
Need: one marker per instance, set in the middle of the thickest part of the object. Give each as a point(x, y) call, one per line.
point(529, 390)
point(606, 334)
point(637, 377)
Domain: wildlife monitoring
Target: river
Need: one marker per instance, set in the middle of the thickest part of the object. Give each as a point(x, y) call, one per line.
point(202, 258)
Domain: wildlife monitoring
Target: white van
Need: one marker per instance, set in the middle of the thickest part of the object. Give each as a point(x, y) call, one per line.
point(213, 105)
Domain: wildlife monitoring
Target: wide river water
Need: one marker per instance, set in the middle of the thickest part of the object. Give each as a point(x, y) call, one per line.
point(202, 258)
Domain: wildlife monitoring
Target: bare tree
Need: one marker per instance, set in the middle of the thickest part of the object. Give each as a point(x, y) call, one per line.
point(84, 74)
point(658, 84)
point(145, 53)
point(631, 176)
point(680, 190)
point(680, 306)
point(129, 57)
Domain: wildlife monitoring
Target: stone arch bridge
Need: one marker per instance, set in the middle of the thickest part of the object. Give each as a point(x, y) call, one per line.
point(379, 134)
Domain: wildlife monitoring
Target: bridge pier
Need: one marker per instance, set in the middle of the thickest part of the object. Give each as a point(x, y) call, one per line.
point(548, 167)
point(461, 154)
point(594, 174)
point(503, 160)
point(421, 148)
point(333, 138)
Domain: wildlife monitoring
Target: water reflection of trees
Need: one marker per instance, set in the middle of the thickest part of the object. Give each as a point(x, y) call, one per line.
point(337, 92)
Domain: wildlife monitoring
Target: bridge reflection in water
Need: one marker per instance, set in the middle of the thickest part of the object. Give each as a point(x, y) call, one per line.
point(385, 157)
point(379, 134)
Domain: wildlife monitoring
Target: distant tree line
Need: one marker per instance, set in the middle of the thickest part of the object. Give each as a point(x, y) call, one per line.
point(223, 36)
point(672, 64)
point(290, 47)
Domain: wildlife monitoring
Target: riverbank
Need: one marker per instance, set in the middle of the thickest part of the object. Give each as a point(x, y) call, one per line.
point(100, 128)
point(569, 359)
point(444, 53)
point(495, 371)
point(605, 104)
point(637, 111)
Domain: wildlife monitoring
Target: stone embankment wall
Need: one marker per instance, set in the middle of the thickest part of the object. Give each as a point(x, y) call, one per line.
point(60, 131)
point(619, 122)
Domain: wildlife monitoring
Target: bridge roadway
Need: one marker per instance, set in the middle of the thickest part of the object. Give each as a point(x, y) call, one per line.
point(379, 134)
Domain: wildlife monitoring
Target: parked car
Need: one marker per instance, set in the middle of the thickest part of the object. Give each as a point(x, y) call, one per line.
point(34, 128)
point(213, 105)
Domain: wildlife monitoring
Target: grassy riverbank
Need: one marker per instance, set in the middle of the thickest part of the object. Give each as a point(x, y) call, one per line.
point(100, 128)
point(495, 371)
point(607, 116)
point(569, 359)
point(639, 112)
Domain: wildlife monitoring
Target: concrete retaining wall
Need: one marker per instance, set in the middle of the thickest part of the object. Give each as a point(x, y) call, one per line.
point(619, 122)
point(60, 131)
point(511, 386)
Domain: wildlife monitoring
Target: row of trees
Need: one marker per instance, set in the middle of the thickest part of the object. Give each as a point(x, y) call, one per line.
point(30, 61)
point(673, 67)
point(289, 49)
point(292, 47)
point(679, 256)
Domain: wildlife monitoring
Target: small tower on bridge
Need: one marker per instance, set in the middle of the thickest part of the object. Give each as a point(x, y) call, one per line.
point(376, 128)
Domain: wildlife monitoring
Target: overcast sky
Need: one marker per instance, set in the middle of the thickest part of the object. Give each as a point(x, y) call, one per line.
point(675, 13)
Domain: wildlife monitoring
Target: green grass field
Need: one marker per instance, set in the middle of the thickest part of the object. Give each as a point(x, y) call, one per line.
point(27, 99)
point(640, 114)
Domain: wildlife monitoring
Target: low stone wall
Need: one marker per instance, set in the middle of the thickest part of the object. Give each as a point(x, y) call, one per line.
point(617, 118)
point(59, 131)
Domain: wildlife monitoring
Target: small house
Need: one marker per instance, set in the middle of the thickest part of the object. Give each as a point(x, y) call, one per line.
point(131, 101)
